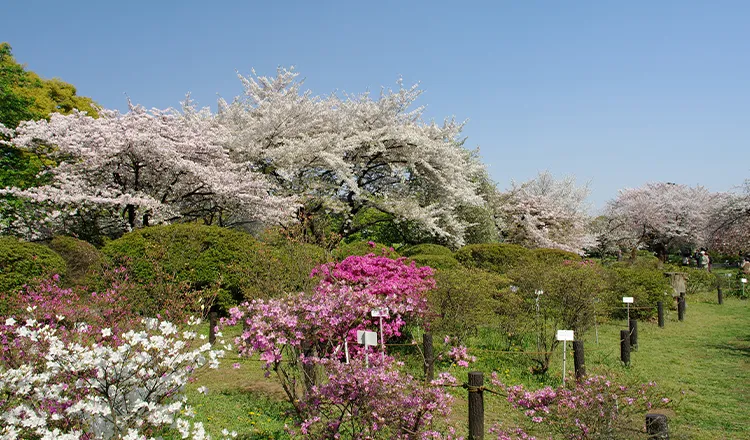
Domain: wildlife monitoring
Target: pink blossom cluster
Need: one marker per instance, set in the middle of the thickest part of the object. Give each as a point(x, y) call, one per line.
point(458, 354)
point(379, 401)
point(594, 408)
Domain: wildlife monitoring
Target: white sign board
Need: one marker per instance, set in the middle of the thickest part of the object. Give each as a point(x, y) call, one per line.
point(627, 299)
point(539, 292)
point(381, 312)
point(744, 280)
point(367, 338)
point(565, 335)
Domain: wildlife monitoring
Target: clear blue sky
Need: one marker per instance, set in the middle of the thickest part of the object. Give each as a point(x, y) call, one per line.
point(615, 93)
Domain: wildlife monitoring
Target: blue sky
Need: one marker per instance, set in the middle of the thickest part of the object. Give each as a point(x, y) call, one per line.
point(615, 93)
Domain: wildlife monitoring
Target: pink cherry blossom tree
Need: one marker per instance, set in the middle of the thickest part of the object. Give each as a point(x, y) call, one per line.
point(144, 167)
point(546, 213)
point(662, 216)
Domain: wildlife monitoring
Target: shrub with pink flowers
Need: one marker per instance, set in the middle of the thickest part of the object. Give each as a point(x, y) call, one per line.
point(308, 341)
point(593, 408)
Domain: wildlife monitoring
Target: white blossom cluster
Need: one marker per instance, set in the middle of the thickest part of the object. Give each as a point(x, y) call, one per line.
point(352, 153)
point(149, 166)
point(667, 214)
point(111, 391)
point(546, 213)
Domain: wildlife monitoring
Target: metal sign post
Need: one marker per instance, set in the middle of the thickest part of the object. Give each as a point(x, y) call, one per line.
point(381, 313)
point(564, 336)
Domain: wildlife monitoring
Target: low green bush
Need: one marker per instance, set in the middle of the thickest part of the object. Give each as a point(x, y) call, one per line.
point(21, 263)
point(426, 249)
point(699, 280)
point(80, 257)
point(553, 256)
point(437, 261)
point(647, 286)
point(363, 248)
point(494, 257)
point(234, 262)
point(465, 299)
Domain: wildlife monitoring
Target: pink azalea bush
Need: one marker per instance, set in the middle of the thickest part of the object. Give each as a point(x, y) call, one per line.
point(593, 408)
point(306, 340)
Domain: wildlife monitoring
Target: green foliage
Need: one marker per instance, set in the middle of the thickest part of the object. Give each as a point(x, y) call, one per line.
point(22, 262)
point(465, 299)
point(567, 302)
point(699, 280)
point(204, 256)
point(80, 257)
point(553, 256)
point(436, 261)
point(493, 257)
point(426, 249)
point(363, 248)
point(646, 285)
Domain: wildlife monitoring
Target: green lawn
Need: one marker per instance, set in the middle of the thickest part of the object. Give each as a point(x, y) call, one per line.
point(707, 357)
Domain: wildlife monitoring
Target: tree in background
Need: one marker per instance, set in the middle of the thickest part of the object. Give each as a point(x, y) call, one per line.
point(662, 217)
point(545, 213)
point(142, 167)
point(729, 226)
point(353, 155)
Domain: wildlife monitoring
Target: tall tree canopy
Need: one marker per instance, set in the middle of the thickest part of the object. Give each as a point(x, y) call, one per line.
point(143, 167)
point(354, 155)
point(662, 216)
point(545, 213)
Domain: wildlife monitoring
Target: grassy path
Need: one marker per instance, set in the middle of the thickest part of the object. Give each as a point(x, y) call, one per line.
point(707, 356)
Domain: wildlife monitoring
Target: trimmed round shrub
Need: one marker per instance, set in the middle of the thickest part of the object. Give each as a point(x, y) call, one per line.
point(553, 256)
point(426, 249)
point(436, 261)
point(22, 262)
point(493, 257)
point(80, 257)
point(361, 248)
point(699, 280)
point(208, 257)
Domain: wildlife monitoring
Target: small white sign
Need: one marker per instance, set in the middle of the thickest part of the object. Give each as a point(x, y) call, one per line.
point(539, 292)
point(381, 312)
point(367, 338)
point(565, 335)
point(627, 299)
point(744, 280)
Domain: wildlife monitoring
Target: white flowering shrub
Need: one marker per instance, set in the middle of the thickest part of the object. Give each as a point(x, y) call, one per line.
point(62, 384)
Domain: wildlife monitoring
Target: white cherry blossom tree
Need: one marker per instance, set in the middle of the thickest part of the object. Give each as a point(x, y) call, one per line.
point(354, 154)
point(147, 166)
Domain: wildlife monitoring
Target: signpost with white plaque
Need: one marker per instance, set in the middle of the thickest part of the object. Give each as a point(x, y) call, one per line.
point(368, 339)
point(564, 336)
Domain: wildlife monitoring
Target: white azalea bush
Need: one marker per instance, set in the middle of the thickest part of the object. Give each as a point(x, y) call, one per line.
point(62, 384)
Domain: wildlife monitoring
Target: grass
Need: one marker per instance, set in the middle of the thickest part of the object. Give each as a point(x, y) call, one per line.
point(706, 357)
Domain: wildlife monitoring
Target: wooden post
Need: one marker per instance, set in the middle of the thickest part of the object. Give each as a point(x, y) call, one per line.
point(213, 317)
point(684, 300)
point(721, 295)
point(681, 309)
point(476, 405)
point(657, 427)
point(579, 360)
point(660, 309)
point(625, 347)
point(633, 328)
point(429, 357)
